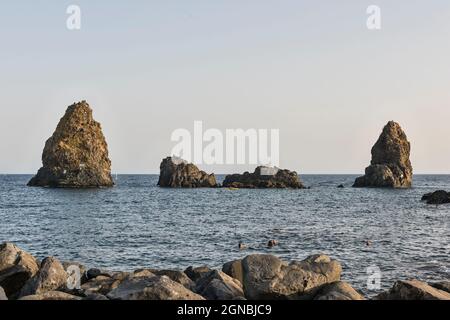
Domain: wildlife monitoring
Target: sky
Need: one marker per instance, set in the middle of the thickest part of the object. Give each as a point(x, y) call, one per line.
point(311, 69)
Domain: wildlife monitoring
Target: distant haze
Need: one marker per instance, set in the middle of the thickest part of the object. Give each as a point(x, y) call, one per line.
point(311, 69)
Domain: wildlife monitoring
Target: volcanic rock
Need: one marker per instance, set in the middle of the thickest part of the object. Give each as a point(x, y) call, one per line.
point(152, 288)
point(16, 268)
point(216, 285)
point(177, 173)
point(437, 197)
point(50, 277)
point(339, 290)
point(76, 155)
point(413, 290)
point(268, 277)
point(390, 166)
point(264, 177)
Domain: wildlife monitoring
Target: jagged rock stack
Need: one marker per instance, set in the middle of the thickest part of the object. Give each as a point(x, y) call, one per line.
point(390, 166)
point(177, 173)
point(264, 177)
point(76, 155)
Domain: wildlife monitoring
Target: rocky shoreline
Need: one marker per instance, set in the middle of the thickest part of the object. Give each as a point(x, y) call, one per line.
point(255, 277)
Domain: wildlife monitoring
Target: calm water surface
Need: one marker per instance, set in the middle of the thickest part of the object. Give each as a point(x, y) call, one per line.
point(137, 224)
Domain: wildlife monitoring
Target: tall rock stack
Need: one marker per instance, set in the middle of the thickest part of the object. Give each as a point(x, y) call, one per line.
point(390, 166)
point(76, 155)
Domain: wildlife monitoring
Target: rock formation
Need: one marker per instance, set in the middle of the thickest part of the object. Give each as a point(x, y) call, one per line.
point(390, 166)
point(437, 197)
point(76, 155)
point(264, 177)
point(177, 173)
point(413, 290)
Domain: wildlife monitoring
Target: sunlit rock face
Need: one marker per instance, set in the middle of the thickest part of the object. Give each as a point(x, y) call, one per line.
point(390, 166)
point(76, 155)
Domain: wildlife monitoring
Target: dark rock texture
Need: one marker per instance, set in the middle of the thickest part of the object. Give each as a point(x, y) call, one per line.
point(177, 173)
point(413, 290)
point(264, 177)
point(390, 166)
point(76, 155)
point(437, 197)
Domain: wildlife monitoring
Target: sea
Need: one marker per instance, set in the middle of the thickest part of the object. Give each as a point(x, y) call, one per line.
point(380, 234)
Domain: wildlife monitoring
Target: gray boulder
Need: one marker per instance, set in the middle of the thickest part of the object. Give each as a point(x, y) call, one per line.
point(3, 295)
point(267, 277)
point(16, 268)
point(441, 285)
point(234, 270)
point(437, 197)
point(50, 277)
point(413, 290)
point(152, 288)
point(338, 291)
point(217, 285)
point(51, 295)
point(195, 273)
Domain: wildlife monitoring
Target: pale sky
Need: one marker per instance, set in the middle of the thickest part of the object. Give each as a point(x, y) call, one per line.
point(311, 69)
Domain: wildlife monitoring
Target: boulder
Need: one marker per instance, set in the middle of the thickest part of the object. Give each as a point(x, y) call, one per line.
point(437, 197)
point(338, 291)
point(217, 285)
point(442, 285)
point(100, 285)
point(267, 277)
point(264, 177)
point(390, 166)
point(234, 270)
point(16, 268)
point(3, 296)
point(96, 296)
point(177, 276)
point(76, 155)
point(50, 277)
point(51, 295)
point(95, 272)
point(196, 273)
point(152, 288)
point(413, 290)
point(177, 173)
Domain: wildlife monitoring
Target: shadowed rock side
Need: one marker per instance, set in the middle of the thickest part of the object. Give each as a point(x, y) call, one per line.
point(76, 155)
point(264, 177)
point(177, 173)
point(437, 197)
point(390, 166)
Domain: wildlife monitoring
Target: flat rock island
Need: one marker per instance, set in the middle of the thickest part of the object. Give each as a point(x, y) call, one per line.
point(264, 177)
point(76, 155)
point(178, 173)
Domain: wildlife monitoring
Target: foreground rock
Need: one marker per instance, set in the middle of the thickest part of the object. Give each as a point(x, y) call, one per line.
point(338, 291)
point(264, 177)
point(16, 268)
point(267, 277)
point(442, 285)
point(437, 197)
point(390, 166)
point(51, 295)
point(177, 173)
point(76, 155)
point(413, 290)
point(3, 295)
point(50, 277)
point(152, 288)
point(217, 285)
